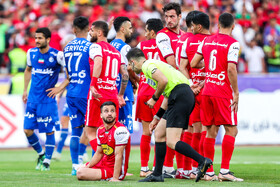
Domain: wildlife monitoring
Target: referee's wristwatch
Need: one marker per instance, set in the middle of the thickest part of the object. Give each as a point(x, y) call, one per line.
point(155, 98)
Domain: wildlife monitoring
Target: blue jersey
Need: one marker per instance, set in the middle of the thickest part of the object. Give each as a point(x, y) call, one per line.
point(123, 48)
point(77, 54)
point(45, 71)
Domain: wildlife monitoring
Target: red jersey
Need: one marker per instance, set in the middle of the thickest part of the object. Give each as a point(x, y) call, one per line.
point(180, 44)
point(111, 62)
point(150, 51)
point(166, 41)
point(197, 75)
point(117, 135)
point(218, 50)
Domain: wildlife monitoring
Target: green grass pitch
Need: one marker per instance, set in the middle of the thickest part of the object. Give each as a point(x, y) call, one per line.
point(258, 166)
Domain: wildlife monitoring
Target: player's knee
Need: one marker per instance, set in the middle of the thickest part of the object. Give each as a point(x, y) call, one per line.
point(159, 136)
point(28, 132)
point(171, 143)
point(80, 174)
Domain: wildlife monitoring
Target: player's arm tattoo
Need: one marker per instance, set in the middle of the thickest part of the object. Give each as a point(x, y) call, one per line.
point(125, 78)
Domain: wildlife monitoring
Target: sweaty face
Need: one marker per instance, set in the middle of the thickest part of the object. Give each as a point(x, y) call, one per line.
point(171, 19)
point(93, 34)
point(40, 40)
point(127, 29)
point(108, 114)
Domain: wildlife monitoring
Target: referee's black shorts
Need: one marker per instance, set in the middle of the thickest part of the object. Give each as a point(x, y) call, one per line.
point(180, 106)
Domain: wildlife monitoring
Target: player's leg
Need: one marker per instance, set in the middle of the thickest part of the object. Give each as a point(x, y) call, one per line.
point(179, 161)
point(187, 160)
point(197, 126)
point(82, 147)
point(91, 174)
point(160, 143)
point(49, 146)
point(30, 123)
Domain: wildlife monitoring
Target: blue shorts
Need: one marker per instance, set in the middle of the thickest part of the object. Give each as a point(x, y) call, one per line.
point(77, 110)
point(65, 110)
point(125, 116)
point(41, 116)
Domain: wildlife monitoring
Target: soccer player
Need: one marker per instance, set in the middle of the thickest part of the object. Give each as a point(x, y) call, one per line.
point(77, 54)
point(220, 93)
point(175, 109)
point(110, 161)
point(166, 41)
point(43, 67)
point(200, 28)
point(123, 28)
point(107, 64)
point(145, 92)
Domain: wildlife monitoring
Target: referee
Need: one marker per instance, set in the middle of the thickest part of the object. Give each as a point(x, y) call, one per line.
point(173, 116)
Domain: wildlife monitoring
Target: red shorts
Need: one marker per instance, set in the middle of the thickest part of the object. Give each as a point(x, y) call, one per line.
point(196, 113)
point(106, 172)
point(93, 118)
point(143, 112)
point(216, 111)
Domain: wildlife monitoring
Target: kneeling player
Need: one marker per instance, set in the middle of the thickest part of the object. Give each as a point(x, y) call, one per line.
point(110, 162)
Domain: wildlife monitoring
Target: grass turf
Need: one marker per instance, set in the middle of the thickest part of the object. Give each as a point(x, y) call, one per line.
point(258, 166)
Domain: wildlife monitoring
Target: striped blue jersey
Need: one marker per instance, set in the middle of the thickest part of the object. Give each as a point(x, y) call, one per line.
point(45, 71)
point(77, 54)
point(123, 48)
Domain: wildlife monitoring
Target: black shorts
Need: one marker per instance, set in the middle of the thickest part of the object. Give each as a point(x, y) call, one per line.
point(180, 106)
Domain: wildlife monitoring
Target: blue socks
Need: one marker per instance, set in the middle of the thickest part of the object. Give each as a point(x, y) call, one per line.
point(34, 142)
point(50, 144)
point(82, 150)
point(63, 136)
point(74, 144)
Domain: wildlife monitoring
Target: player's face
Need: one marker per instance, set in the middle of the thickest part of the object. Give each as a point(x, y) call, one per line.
point(172, 19)
point(93, 34)
point(40, 40)
point(134, 66)
point(195, 28)
point(127, 29)
point(147, 33)
point(108, 114)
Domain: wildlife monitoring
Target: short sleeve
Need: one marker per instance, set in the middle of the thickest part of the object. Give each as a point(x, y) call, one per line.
point(124, 51)
point(97, 138)
point(148, 69)
point(121, 136)
point(233, 52)
point(199, 49)
point(28, 60)
point(184, 49)
point(123, 60)
point(94, 51)
point(164, 44)
point(139, 46)
point(60, 58)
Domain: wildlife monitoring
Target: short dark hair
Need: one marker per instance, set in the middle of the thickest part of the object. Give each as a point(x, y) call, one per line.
point(154, 24)
point(102, 25)
point(119, 21)
point(190, 16)
point(226, 20)
point(81, 22)
point(171, 6)
point(107, 103)
point(202, 19)
point(46, 32)
point(134, 53)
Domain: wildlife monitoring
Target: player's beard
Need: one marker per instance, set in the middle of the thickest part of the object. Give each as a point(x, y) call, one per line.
point(42, 45)
point(127, 36)
point(109, 121)
point(93, 39)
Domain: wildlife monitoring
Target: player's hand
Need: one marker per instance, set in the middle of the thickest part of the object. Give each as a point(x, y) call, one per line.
point(195, 88)
point(95, 93)
point(53, 92)
point(234, 105)
point(121, 101)
point(153, 125)
point(151, 103)
point(114, 180)
point(24, 97)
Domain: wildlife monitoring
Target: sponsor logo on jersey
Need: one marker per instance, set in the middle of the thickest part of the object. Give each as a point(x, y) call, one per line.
point(163, 40)
point(107, 150)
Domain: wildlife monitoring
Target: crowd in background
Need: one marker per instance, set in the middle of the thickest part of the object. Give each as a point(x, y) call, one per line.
point(257, 25)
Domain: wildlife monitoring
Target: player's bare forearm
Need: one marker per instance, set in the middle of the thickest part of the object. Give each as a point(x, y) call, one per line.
point(118, 161)
point(96, 157)
point(125, 78)
point(197, 61)
point(134, 79)
point(232, 75)
point(171, 60)
point(27, 77)
point(56, 90)
point(162, 82)
point(183, 67)
point(164, 103)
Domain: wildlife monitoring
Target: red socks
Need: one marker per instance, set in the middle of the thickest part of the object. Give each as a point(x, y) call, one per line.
point(93, 144)
point(209, 150)
point(187, 161)
point(145, 149)
point(195, 145)
point(227, 150)
point(168, 161)
point(201, 143)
